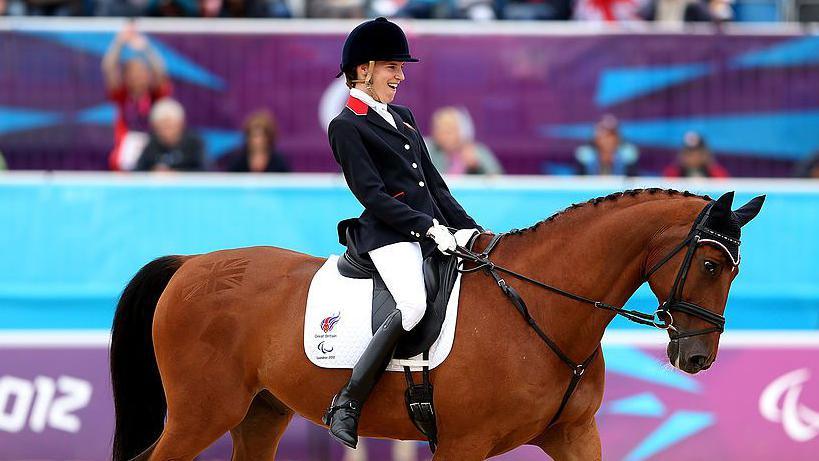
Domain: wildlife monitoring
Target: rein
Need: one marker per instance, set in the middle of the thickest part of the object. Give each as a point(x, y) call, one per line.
point(674, 301)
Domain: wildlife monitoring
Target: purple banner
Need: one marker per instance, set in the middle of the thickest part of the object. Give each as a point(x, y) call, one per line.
point(533, 97)
point(755, 403)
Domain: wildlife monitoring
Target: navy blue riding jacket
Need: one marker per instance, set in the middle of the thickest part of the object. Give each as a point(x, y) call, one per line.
point(390, 172)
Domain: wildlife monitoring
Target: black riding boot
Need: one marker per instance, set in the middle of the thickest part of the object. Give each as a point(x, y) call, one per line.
point(342, 416)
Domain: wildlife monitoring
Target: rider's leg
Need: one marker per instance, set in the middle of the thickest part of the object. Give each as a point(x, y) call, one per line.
point(400, 265)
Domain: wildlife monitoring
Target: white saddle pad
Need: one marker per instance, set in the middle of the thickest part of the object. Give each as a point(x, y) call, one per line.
point(338, 319)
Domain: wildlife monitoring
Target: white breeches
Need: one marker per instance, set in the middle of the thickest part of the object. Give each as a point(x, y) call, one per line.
point(401, 266)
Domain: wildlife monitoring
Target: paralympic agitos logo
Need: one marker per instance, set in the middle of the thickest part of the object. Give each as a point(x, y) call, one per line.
point(324, 349)
point(779, 403)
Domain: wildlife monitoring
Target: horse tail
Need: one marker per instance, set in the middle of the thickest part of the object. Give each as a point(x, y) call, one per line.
point(139, 401)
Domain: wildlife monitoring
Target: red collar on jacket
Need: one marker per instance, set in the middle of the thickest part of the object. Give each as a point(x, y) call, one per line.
point(357, 106)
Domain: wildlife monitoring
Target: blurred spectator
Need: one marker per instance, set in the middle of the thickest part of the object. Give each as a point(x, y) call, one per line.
point(437, 9)
point(608, 10)
point(808, 168)
point(419, 9)
point(667, 11)
point(54, 7)
point(240, 9)
point(709, 11)
point(197, 8)
point(122, 8)
point(607, 154)
point(452, 147)
point(677, 11)
point(3, 165)
point(172, 147)
point(134, 89)
point(173, 8)
point(551, 10)
point(335, 9)
point(259, 154)
point(695, 160)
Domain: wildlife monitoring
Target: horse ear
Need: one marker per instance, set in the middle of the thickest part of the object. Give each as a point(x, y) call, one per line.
point(722, 207)
point(749, 211)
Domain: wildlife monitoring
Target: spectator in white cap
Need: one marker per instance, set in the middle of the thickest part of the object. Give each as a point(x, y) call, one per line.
point(171, 147)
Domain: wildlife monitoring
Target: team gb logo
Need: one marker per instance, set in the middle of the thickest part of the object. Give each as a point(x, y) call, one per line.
point(329, 322)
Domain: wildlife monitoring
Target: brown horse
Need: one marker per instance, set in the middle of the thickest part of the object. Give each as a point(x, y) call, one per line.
point(206, 344)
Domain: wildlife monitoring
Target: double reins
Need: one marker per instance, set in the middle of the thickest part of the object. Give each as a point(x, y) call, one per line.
point(482, 262)
point(674, 301)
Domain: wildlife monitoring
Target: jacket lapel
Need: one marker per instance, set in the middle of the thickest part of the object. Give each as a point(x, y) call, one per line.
point(403, 126)
point(374, 118)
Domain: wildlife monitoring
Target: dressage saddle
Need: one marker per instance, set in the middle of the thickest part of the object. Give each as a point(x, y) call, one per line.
point(440, 272)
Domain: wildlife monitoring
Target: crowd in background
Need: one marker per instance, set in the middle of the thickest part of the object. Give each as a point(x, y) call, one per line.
point(151, 133)
point(583, 10)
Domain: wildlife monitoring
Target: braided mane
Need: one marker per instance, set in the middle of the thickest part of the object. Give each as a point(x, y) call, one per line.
point(610, 198)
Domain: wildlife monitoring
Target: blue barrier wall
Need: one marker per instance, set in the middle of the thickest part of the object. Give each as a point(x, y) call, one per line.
point(70, 242)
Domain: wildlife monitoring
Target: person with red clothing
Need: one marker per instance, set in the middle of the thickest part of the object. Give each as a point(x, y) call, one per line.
point(134, 88)
point(695, 160)
point(408, 207)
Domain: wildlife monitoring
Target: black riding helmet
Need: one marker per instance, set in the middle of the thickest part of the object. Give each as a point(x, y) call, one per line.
point(375, 40)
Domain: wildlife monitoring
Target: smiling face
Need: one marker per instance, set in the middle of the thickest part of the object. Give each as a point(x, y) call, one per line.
point(387, 75)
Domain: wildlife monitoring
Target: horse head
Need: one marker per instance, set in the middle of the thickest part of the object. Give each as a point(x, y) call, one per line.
point(692, 279)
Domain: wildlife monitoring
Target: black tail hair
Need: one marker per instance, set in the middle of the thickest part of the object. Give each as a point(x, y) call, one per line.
point(139, 401)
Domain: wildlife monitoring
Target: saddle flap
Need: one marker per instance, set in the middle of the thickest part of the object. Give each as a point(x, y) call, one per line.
point(440, 273)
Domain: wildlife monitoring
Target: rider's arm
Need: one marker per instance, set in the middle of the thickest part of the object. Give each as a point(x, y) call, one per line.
point(366, 184)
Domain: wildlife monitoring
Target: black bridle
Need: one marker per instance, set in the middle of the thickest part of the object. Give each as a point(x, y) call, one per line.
point(661, 318)
point(699, 234)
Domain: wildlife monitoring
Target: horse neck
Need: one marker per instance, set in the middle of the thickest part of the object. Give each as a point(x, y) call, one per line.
point(598, 252)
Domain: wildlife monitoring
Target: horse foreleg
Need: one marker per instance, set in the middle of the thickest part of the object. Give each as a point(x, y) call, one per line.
point(572, 442)
point(257, 437)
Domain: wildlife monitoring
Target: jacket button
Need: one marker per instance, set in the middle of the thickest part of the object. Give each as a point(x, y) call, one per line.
point(406, 146)
point(415, 165)
point(421, 183)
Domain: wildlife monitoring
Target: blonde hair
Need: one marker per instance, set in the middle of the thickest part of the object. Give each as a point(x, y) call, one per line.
point(466, 129)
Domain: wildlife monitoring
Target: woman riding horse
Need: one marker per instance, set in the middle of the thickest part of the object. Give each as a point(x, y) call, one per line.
point(388, 169)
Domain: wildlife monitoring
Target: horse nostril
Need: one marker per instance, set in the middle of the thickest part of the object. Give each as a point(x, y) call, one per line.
point(698, 361)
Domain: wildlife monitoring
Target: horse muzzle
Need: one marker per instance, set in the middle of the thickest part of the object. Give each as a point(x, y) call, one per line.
point(689, 356)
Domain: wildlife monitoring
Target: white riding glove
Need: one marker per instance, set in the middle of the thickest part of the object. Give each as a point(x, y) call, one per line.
point(442, 237)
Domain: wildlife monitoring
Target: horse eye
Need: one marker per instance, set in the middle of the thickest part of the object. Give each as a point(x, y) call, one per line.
point(711, 267)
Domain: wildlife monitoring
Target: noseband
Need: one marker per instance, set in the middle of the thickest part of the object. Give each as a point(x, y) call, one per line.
point(675, 303)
